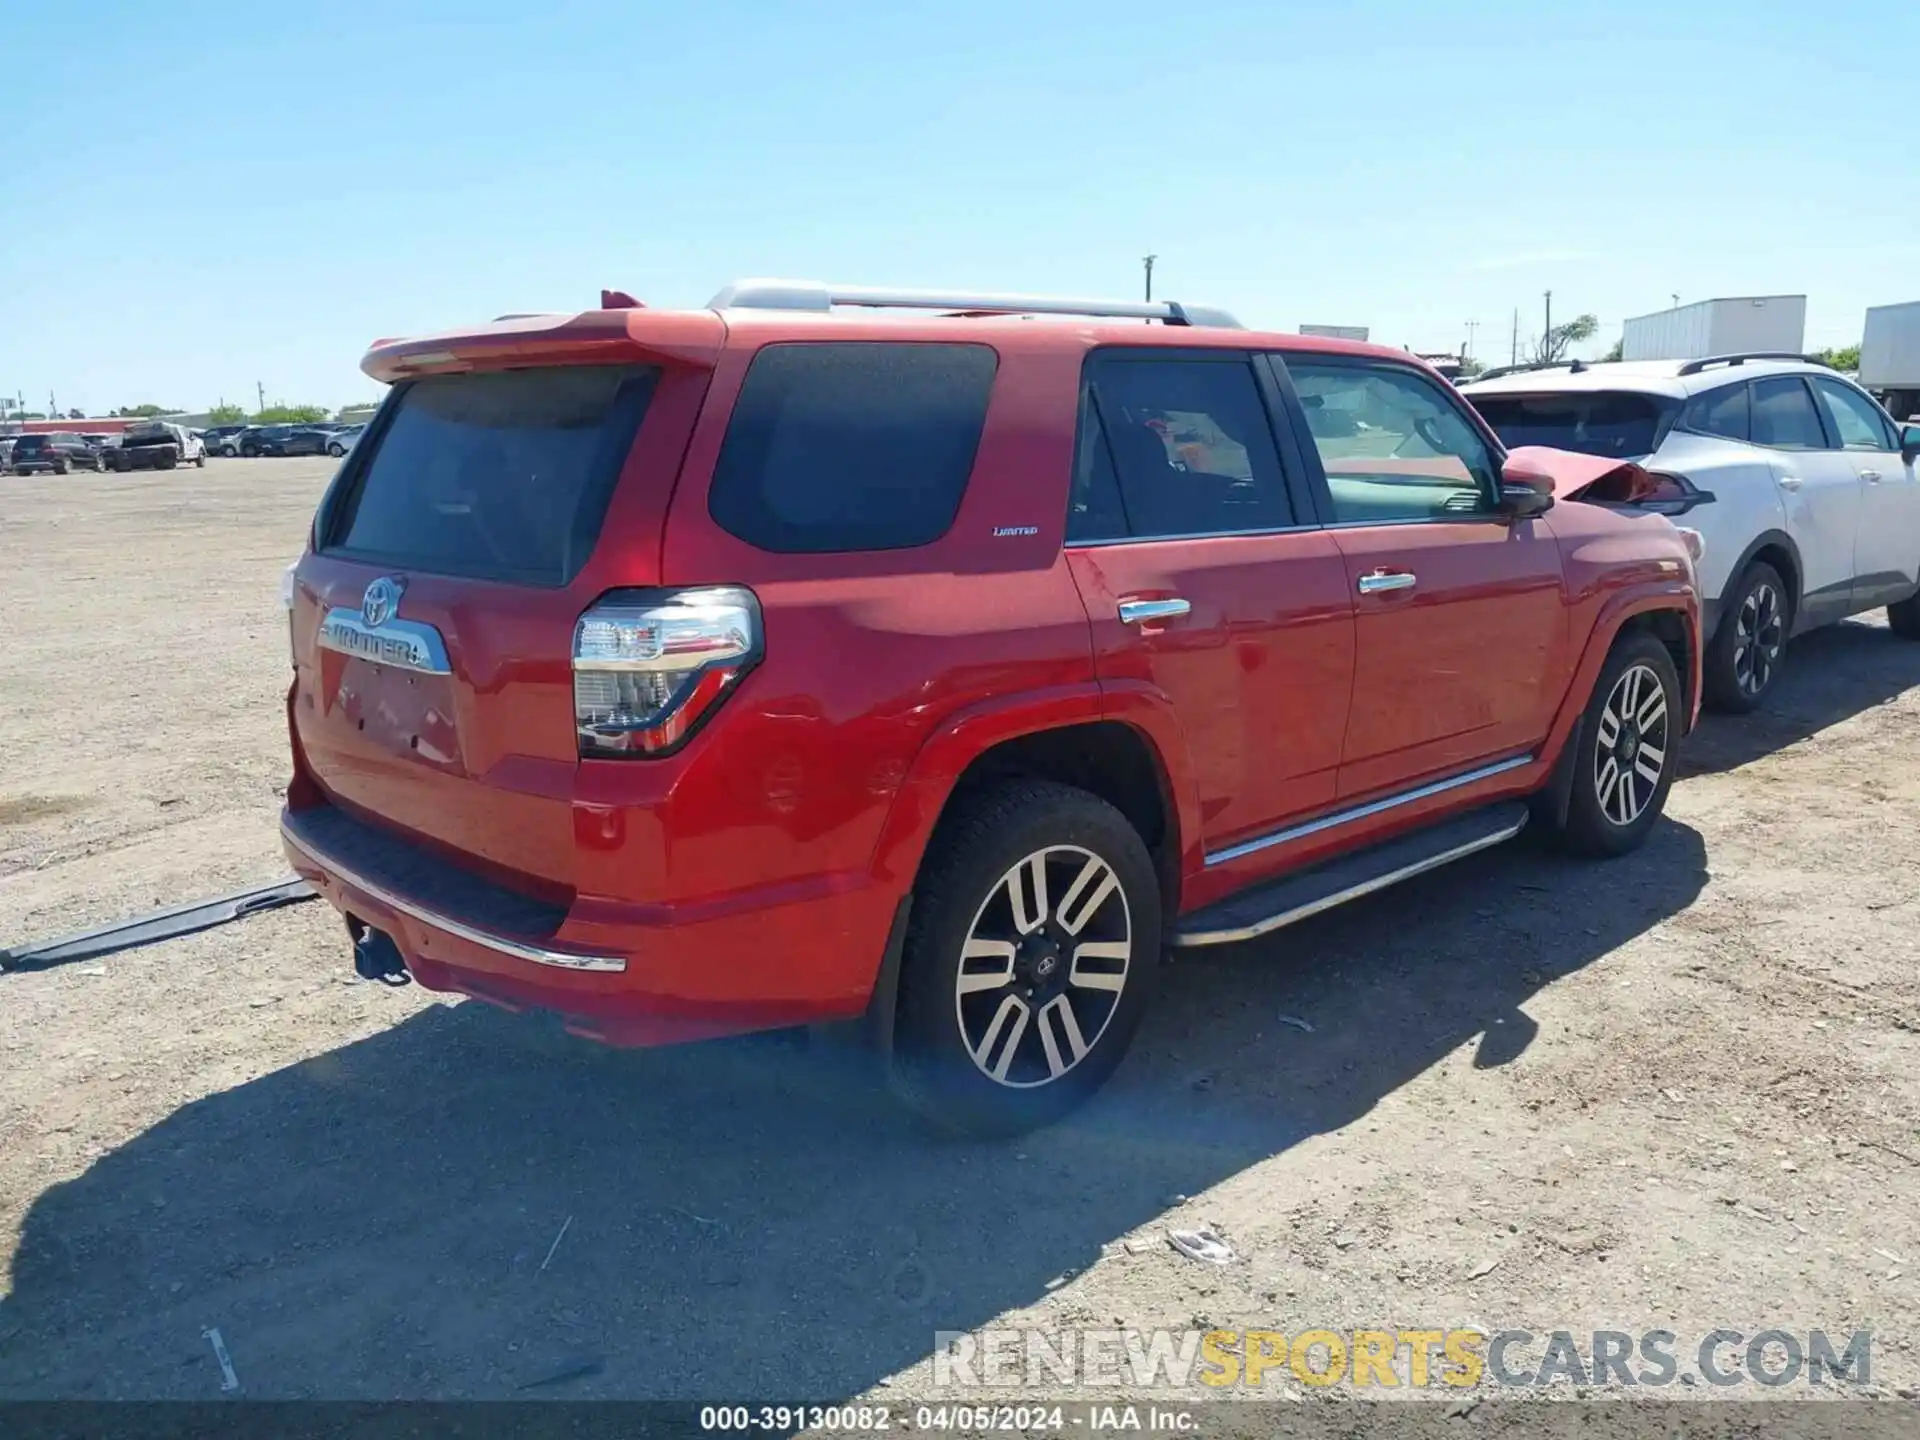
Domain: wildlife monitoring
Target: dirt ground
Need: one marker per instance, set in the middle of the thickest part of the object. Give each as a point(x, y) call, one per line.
point(1674, 1091)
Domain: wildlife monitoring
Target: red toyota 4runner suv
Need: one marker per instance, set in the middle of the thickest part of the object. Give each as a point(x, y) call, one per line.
point(783, 663)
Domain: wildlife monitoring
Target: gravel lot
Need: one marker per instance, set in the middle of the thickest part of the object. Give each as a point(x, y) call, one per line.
point(1677, 1091)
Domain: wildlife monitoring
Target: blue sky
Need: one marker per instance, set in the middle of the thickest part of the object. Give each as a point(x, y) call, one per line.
point(297, 181)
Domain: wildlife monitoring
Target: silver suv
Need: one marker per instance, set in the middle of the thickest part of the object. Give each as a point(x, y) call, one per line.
point(1804, 488)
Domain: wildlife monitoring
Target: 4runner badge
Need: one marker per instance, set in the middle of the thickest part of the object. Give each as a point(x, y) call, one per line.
point(374, 632)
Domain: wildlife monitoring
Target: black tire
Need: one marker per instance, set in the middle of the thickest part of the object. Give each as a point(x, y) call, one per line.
point(200, 461)
point(60, 467)
point(1903, 618)
point(1601, 819)
point(1744, 659)
point(966, 894)
point(336, 451)
point(167, 462)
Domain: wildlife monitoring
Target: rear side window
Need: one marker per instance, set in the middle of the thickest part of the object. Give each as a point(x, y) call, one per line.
point(851, 446)
point(1614, 423)
point(498, 476)
point(1720, 412)
point(1783, 415)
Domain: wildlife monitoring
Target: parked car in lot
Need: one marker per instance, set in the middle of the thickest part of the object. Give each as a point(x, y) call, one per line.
point(282, 440)
point(344, 438)
point(224, 439)
point(932, 675)
point(1805, 489)
point(156, 445)
point(55, 453)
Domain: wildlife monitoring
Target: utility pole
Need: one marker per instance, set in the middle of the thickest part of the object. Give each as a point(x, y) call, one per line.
point(1546, 335)
point(1676, 298)
point(1467, 353)
point(1147, 261)
point(261, 391)
point(1514, 357)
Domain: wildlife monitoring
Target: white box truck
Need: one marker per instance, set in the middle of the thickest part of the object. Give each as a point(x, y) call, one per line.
point(1741, 324)
point(1890, 358)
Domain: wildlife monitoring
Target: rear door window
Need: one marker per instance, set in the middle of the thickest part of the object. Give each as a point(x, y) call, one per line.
point(1614, 423)
point(1784, 417)
point(1175, 446)
point(836, 446)
point(499, 476)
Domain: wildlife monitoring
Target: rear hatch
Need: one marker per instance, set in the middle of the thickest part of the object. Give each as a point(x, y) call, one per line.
point(434, 616)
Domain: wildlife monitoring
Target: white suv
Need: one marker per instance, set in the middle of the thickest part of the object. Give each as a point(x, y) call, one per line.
point(1804, 489)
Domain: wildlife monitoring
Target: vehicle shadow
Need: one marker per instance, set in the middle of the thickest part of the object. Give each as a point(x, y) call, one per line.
point(461, 1206)
point(1831, 675)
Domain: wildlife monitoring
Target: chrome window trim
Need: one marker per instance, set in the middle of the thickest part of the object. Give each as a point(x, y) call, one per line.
point(1362, 812)
point(1197, 535)
point(500, 944)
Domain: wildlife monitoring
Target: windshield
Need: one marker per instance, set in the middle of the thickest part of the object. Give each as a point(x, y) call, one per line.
point(26, 444)
point(1614, 423)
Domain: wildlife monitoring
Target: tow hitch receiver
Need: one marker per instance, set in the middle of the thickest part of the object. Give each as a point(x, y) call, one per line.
point(375, 956)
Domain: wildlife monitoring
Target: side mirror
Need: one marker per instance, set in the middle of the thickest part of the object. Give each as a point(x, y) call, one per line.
point(1524, 491)
point(1909, 443)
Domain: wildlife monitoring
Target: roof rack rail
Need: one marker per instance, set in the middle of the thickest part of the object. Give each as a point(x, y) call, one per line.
point(1740, 357)
point(1572, 367)
point(817, 295)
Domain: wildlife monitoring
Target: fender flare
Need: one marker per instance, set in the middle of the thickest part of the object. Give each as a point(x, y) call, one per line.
point(959, 740)
point(1796, 582)
point(1619, 609)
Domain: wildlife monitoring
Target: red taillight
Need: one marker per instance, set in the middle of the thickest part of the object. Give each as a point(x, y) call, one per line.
point(650, 666)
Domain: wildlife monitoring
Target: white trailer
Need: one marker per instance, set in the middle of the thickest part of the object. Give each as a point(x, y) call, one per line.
point(1890, 358)
point(1336, 332)
point(1737, 325)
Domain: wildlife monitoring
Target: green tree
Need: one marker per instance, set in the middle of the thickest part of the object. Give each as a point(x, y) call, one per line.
point(1618, 352)
point(143, 412)
point(226, 415)
point(1556, 342)
point(290, 415)
point(1845, 357)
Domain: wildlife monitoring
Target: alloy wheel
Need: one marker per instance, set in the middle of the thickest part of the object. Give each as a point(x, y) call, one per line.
point(1759, 632)
point(1039, 978)
point(1633, 737)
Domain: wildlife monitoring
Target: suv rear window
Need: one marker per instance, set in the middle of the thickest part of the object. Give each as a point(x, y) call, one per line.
point(28, 444)
point(498, 476)
point(865, 446)
point(1614, 423)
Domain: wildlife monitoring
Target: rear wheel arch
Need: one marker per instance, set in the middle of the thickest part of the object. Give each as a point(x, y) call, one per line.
point(1106, 758)
point(1113, 760)
point(1776, 548)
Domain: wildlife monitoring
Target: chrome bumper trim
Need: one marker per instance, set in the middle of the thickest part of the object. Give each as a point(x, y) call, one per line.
point(501, 944)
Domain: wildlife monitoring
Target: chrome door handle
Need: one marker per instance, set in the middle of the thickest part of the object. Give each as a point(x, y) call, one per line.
point(1872, 477)
point(1383, 580)
point(1136, 612)
point(1789, 482)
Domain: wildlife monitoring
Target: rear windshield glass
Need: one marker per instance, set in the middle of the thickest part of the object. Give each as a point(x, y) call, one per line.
point(28, 443)
point(504, 476)
point(1607, 422)
point(866, 446)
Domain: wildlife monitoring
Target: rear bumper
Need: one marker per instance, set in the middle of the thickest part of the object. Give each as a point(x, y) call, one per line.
point(734, 969)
